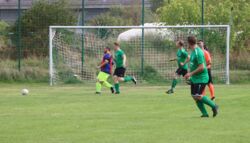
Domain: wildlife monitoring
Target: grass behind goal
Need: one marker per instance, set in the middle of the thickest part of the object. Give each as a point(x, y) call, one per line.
point(69, 114)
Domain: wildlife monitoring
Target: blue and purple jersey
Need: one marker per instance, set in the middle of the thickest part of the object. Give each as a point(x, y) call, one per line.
point(108, 67)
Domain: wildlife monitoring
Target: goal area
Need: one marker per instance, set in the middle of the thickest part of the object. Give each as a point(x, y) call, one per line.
point(75, 51)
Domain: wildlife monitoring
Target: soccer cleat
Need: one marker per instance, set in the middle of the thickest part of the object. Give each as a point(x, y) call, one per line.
point(97, 92)
point(112, 89)
point(204, 116)
point(117, 92)
point(170, 91)
point(134, 80)
point(215, 110)
point(212, 98)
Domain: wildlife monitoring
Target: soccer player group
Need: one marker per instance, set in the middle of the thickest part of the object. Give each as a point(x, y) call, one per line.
point(106, 70)
point(198, 76)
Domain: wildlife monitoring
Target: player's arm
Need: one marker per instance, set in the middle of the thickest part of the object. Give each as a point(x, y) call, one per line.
point(185, 54)
point(103, 64)
point(124, 60)
point(199, 69)
point(187, 60)
point(172, 59)
point(209, 61)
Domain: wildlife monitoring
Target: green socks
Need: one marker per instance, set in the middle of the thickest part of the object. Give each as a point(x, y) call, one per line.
point(117, 88)
point(208, 101)
point(128, 78)
point(174, 82)
point(202, 108)
point(98, 87)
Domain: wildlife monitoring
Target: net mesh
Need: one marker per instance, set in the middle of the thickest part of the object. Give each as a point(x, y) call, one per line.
point(76, 52)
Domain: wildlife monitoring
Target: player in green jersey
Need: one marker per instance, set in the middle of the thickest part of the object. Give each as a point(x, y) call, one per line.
point(182, 60)
point(119, 74)
point(199, 78)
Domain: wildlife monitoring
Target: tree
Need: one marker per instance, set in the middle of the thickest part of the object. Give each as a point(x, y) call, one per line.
point(233, 12)
point(35, 23)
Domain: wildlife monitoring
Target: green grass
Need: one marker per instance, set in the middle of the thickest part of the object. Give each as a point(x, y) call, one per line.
point(143, 114)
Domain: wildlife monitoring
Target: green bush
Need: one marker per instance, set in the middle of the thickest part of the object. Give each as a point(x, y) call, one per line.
point(35, 24)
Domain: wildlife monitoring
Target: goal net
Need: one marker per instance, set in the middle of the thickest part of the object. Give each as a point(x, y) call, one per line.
point(75, 51)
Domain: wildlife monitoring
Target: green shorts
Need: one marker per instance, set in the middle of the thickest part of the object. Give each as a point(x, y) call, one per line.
point(102, 76)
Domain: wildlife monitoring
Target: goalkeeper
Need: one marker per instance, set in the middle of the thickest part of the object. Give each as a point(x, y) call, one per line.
point(182, 60)
point(106, 69)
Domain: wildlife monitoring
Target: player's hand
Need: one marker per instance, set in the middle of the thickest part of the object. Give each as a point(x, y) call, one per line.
point(187, 76)
point(182, 64)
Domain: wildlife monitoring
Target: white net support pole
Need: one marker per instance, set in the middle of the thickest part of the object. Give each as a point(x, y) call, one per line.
point(227, 56)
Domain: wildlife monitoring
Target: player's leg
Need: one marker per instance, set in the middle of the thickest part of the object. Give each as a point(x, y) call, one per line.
point(174, 81)
point(116, 81)
point(98, 84)
point(103, 77)
point(116, 84)
point(126, 78)
point(196, 95)
point(210, 85)
point(198, 90)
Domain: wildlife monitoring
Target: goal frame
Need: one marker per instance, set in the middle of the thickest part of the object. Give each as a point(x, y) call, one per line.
point(51, 35)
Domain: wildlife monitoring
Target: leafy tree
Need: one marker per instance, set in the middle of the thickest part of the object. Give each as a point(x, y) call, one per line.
point(3, 32)
point(234, 12)
point(36, 20)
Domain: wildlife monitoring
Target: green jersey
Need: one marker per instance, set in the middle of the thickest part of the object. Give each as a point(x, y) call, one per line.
point(197, 58)
point(182, 55)
point(119, 58)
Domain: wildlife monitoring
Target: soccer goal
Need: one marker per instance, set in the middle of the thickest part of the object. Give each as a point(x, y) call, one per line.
point(76, 50)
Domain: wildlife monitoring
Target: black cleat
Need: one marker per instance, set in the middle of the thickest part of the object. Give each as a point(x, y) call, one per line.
point(204, 116)
point(212, 98)
point(112, 89)
point(215, 110)
point(134, 80)
point(98, 93)
point(170, 91)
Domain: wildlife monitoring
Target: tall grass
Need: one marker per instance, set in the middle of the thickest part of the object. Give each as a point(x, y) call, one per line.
point(32, 70)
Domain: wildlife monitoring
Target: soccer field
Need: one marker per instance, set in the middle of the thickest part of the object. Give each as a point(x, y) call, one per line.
point(143, 114)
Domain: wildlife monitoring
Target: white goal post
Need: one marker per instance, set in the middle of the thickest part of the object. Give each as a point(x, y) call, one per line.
point(53, 30)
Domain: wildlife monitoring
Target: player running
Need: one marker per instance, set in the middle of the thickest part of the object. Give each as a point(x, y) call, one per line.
point(208, 62)
point(106, 70)
point(199, 77)
point(182, 60)
point(120, 62)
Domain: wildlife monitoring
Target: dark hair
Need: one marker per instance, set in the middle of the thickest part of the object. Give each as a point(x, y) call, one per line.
point(107, 48)
point(191, 40)
point(205, 46)
point(180, 42)
point(116, 44)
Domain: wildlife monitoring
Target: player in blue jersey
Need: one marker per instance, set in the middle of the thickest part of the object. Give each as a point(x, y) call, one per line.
point(106, 70)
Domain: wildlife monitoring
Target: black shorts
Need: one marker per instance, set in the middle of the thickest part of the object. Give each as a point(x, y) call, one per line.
point(197, 88)
point(120, 72)
point(210, 76)
point(181, 71)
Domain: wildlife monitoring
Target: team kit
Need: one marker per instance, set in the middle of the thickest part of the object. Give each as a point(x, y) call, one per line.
point(198, 76)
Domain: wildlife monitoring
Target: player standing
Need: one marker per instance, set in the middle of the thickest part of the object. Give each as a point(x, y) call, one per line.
point(182, 60)
point(199, 77)
point(208, 62)
point(106, 70)
point(120, 62)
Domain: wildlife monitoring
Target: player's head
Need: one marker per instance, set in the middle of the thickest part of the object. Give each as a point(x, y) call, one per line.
point(116, 45)
point(202, 44)
point(191, 41)
point(106, 49)
point(179, 43)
